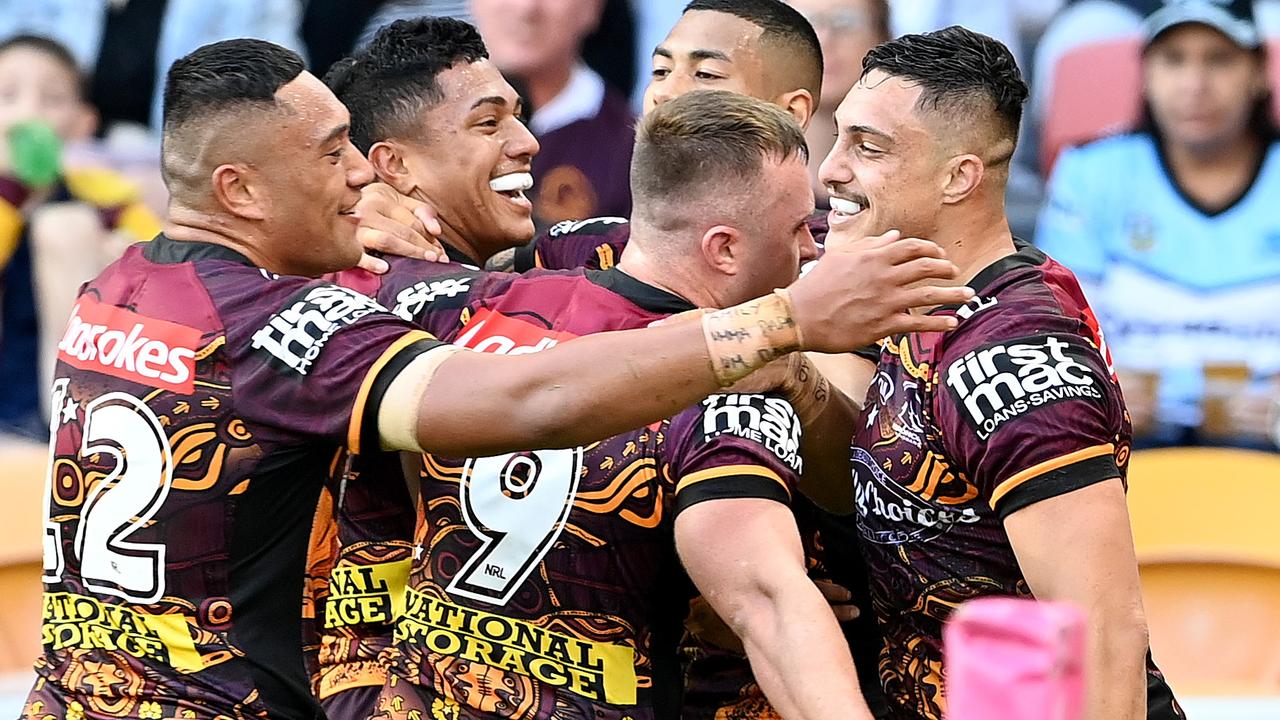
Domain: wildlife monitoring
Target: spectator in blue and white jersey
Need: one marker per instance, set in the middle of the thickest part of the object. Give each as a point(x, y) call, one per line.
point(1175, 231)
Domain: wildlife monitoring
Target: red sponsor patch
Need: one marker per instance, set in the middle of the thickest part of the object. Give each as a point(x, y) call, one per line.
point(493, 332)
point(121, 343)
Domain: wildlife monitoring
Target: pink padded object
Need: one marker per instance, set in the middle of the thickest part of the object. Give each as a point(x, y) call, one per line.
point(1013, 659)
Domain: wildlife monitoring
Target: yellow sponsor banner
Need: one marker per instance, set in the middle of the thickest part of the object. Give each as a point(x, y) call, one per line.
point(595, 670)
point(78, 621)
point(363, 594)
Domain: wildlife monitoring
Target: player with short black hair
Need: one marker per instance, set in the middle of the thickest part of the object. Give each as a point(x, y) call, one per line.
point(782, 29)
point(982, 81)
point(441, 125)
point(989, 460)
point(393, 80)
point(207, 381)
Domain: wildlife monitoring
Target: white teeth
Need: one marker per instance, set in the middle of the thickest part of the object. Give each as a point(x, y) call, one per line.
point(847, 207)
point(512, 182)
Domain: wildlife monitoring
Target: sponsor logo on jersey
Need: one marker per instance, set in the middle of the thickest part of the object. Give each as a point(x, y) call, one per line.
point(1003, 381)
point(592, 669)
point(366, 594)
point(893, 515)
point(296, 335)
point(768, 421)
point(493, 332)
point(121, 343)
point(73, 621)
point(411, 301)
point(568, 227)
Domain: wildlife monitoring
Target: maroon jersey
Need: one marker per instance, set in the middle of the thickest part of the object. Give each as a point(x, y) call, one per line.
point(597, 243)
point(357, 569)
point(543, 576)
point(1017, 405)
point(199, 402)
point(362, 537)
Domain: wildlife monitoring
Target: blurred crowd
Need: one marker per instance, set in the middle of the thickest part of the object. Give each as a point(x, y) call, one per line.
point(1147, 166)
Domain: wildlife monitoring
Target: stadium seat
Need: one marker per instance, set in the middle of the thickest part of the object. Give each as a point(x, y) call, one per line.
point(1208, 547)
point(1097, 91)
point(22, 487)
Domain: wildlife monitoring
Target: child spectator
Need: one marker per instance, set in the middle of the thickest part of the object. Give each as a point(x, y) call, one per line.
point(58, 227)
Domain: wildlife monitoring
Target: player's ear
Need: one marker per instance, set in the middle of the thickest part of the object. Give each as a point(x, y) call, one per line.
point(389, 165)
point(964, 175)
point(237, 191)
point(800, 104)
point(721, 248)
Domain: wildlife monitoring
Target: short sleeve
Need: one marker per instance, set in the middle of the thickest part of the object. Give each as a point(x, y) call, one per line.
point(316, 365)
point(1068, 226)
point(1029, 417)
point(735, 446)
point(595, 244)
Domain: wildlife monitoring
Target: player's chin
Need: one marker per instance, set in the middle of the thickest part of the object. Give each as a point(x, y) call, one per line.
point(513, 220)
point(521, 230)
point(345, 250)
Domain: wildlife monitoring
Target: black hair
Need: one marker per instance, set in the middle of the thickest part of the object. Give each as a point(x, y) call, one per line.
point(227, 75)
point(956, 68)
point(388, 85)
point(780, 23)
point(53, 49)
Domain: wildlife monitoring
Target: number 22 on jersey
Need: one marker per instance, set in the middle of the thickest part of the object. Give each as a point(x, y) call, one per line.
point(517, 505)
point(123, 429)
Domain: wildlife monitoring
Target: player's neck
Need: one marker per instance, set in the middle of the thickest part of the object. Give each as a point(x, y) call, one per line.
point(189, 225)
point(975, 239)
point(671, 277)
point(454, 239)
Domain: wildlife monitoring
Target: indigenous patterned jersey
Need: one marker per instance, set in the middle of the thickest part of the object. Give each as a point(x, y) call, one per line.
point(597, 244)
point(544, 576)
point(1017, 405)
point(199, 402)
point(357, 569)
point(362, 538)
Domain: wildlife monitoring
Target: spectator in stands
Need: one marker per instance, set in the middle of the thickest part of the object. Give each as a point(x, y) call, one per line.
point(847, 29)
point(584, 126)
point(135, 41)
point(55, 225)
point(1174, 229)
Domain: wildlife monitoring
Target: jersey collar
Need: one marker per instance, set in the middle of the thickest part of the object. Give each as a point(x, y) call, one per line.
point(1025, 255)
point(642, 294)
point(167, 251)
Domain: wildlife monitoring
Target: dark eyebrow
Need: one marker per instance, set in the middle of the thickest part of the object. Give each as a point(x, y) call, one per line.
point(334, 134)
point(867, 130)
point(695, 55)
point(709, 55)
point(490, 100)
